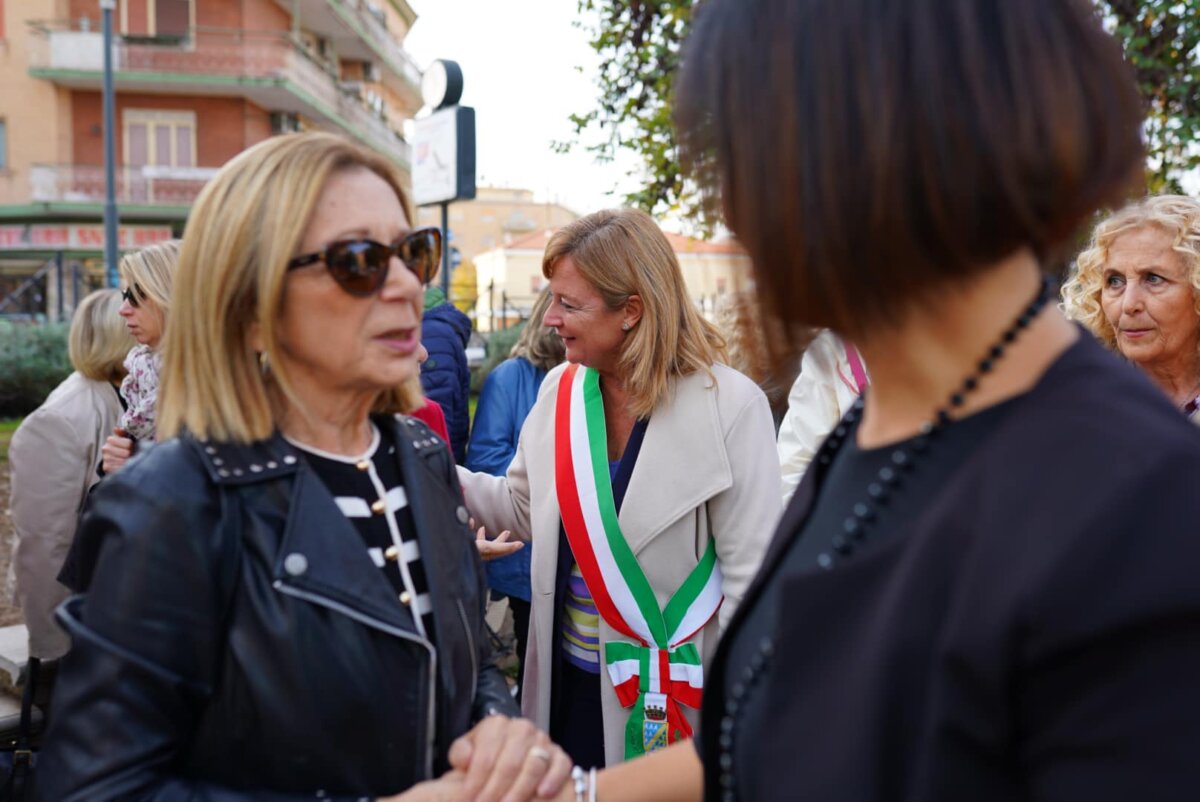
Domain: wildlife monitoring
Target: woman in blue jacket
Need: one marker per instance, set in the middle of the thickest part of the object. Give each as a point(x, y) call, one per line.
point(507, 396)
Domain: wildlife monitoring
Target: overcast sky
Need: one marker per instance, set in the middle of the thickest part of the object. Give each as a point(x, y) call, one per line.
point(519, 60)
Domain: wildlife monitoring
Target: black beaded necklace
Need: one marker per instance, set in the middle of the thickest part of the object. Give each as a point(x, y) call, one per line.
point(863, 515)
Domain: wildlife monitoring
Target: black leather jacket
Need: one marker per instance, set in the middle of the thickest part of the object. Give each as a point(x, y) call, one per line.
point(236, 644)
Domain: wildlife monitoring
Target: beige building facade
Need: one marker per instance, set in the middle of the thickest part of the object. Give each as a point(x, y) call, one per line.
point(509, 278)
point(495, 218)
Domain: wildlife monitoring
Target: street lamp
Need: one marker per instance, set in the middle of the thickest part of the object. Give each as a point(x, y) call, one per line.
point(110, 190)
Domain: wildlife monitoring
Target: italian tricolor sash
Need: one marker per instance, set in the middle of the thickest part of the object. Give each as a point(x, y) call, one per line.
point(662, 670)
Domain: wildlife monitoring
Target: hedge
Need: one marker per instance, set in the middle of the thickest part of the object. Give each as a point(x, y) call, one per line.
point(33, 360)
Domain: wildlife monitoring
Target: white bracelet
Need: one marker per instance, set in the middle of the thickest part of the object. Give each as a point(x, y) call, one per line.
point(592, 785)
point(580, 779)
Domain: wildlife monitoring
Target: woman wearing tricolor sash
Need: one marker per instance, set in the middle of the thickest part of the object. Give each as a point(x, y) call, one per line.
point(646, 477)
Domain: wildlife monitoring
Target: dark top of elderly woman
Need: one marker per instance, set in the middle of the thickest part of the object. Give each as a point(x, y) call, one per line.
point(287, 600)
point(970, 609)
point(1137, 287)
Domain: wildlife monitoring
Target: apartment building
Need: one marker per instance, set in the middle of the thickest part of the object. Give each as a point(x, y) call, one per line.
point(496, 217)
point(197, 81)
point(509, 278)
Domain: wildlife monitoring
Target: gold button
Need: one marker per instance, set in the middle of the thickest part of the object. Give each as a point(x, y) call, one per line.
point(405, 598)
point(362, 465)
point(392, 553)
point(378, 507)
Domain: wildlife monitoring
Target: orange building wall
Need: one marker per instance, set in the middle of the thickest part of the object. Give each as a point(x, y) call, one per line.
point(244, 14)
point(224, 126)
point(221, 13)
point(265, 15)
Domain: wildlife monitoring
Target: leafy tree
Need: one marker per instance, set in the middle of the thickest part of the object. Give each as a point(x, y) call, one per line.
point(639, 41)
point(1162, 43)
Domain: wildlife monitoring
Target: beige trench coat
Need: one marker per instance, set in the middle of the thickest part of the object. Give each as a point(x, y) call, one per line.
point(53, 457)
point(707, 466)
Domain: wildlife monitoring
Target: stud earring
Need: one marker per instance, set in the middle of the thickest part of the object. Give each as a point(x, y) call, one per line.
point(625, 326)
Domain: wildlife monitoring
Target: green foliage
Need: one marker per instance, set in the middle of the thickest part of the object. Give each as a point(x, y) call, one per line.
point(1162, 42)
point(639, 43)
point(7, 427)
point(499, 345)
point(33, 360)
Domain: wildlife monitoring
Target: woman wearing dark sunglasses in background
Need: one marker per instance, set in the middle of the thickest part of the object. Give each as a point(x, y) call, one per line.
point(288, 603)
point(147, 276)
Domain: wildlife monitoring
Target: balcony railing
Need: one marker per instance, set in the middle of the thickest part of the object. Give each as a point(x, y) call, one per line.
point(151, 185)
point(400, 60)
point(216, 55)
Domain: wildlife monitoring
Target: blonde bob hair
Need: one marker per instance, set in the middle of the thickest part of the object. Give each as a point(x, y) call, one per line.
point(538, 344)
point(99, 339)
point(150, 272)
point(622, 253)
point(1176, 215)
point(229, 292)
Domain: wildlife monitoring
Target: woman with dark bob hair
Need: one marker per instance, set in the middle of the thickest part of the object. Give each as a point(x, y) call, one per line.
point(288, 603)
point(985, 587)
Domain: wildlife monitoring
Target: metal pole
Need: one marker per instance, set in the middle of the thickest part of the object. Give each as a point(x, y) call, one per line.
point(110, 181)
point(58, 285)
point(446, 250)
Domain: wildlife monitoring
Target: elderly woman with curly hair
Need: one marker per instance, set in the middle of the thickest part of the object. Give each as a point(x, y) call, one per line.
point(1137, 287)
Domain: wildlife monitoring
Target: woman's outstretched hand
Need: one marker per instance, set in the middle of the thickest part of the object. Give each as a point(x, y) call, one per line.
point(509, 760)
point(499, 546)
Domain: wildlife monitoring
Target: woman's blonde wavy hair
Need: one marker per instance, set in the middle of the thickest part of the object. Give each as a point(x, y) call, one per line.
point(538, 344)
point(1177, 215)
point(99, 339)
point(623, 252)
point(244, 227)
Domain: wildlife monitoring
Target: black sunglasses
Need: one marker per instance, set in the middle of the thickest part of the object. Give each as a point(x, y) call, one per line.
point(133, 295)
point(360, 266)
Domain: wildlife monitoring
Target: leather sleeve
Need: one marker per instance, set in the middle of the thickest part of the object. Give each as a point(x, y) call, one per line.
point(492, 695)
point(147, 641)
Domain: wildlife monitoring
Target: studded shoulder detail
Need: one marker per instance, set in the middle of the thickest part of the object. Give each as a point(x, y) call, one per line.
point(244, 463)
point(420, 436)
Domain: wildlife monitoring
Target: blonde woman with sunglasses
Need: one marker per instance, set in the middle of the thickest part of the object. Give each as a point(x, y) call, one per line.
point(288, 602)
point(146, 276)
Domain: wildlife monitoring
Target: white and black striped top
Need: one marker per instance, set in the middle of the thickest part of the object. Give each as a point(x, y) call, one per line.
point(369, 490)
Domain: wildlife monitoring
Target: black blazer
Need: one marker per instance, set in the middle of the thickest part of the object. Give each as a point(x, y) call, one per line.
point(235, 640)
point(1034, 634)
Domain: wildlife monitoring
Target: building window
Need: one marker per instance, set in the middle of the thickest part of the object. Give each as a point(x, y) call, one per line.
point(160, 138)
point(169, 18)
point(172, 17)
point(3, 142)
